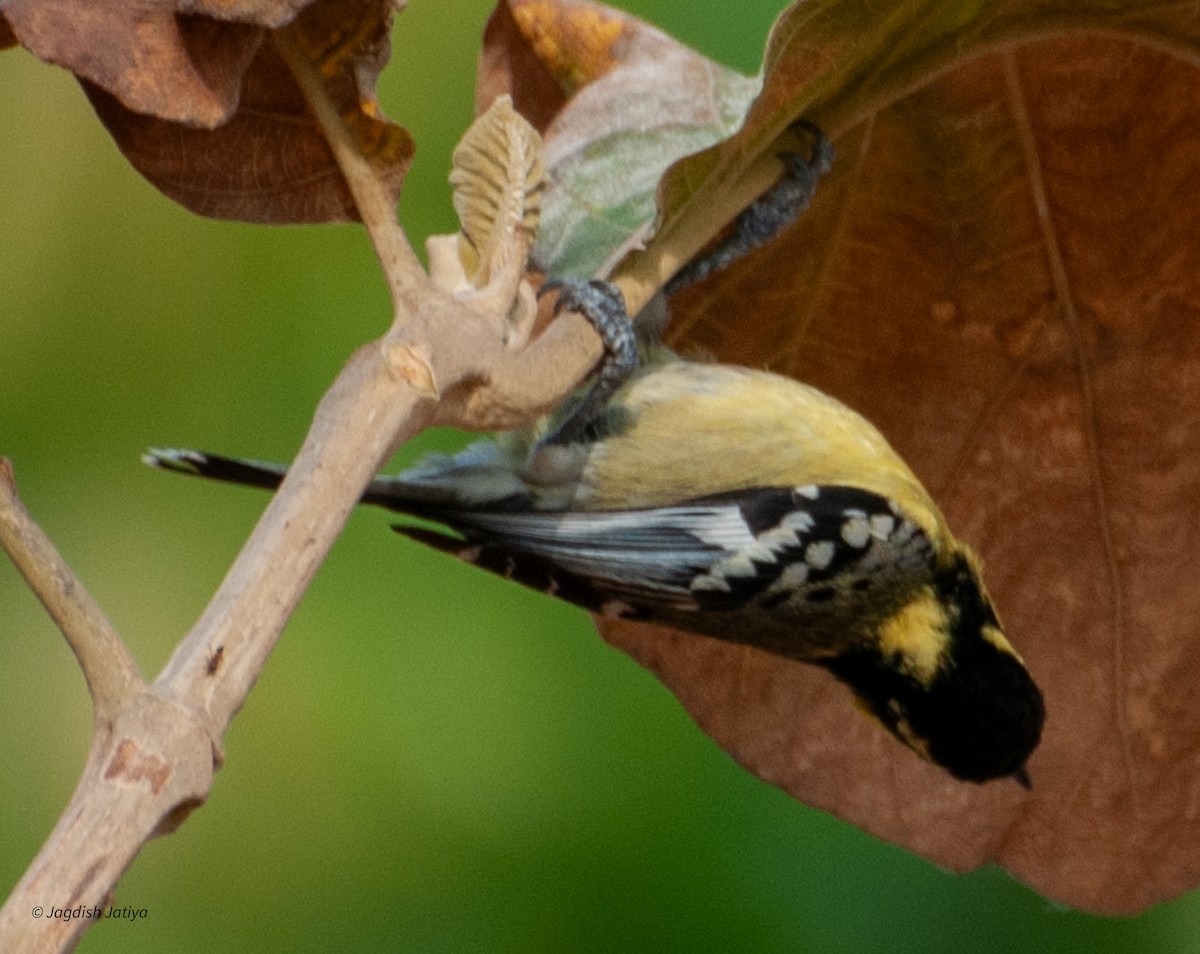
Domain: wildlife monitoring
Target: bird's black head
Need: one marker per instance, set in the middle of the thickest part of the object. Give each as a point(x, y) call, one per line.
point(943, 679)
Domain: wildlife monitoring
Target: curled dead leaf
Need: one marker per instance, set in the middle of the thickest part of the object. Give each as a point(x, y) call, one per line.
point(199, 102)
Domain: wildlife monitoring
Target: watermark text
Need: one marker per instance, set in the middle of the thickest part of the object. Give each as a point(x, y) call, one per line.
point(85, 912)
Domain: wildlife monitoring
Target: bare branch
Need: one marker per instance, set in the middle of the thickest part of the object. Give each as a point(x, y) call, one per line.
point(368, 410)
point(401, 267)
point(110, 671)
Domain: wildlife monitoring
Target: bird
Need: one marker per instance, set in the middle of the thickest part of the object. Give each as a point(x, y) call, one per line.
point(736, 504)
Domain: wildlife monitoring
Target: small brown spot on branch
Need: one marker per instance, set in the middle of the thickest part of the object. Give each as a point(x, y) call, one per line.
point(131, 764)
point(214, 661)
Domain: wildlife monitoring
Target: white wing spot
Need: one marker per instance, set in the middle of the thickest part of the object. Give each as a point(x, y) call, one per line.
point(763, 549)
point(795, 575)
point(811, 491)
point(882, 526)
point(740, 564)
point(819, 555)
point(856, 531)
point(798, 521)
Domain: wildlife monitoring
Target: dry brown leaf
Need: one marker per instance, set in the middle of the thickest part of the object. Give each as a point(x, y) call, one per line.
point(178, 61)
point(1001, 273)
point(541, 53)
point(200, 103)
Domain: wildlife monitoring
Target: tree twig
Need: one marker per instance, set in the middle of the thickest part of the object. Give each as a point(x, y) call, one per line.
point(375, 206)
point(149, 760)
point(110, 671)
point(368, 409)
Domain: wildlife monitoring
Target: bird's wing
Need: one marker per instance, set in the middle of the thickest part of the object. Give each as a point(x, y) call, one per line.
point(713, 553)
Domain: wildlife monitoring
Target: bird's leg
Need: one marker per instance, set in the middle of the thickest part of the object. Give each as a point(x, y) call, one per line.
point(603, 305)
point(767, 216)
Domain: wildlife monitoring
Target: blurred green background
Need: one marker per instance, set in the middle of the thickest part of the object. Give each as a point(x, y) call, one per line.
point(433, 760)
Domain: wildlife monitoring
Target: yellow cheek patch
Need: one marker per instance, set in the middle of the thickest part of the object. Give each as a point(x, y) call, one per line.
point(919, 634)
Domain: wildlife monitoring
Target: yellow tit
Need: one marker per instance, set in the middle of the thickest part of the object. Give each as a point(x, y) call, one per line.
point(738, 505)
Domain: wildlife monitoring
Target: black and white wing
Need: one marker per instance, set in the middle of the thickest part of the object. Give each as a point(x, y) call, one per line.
point(807, 551)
